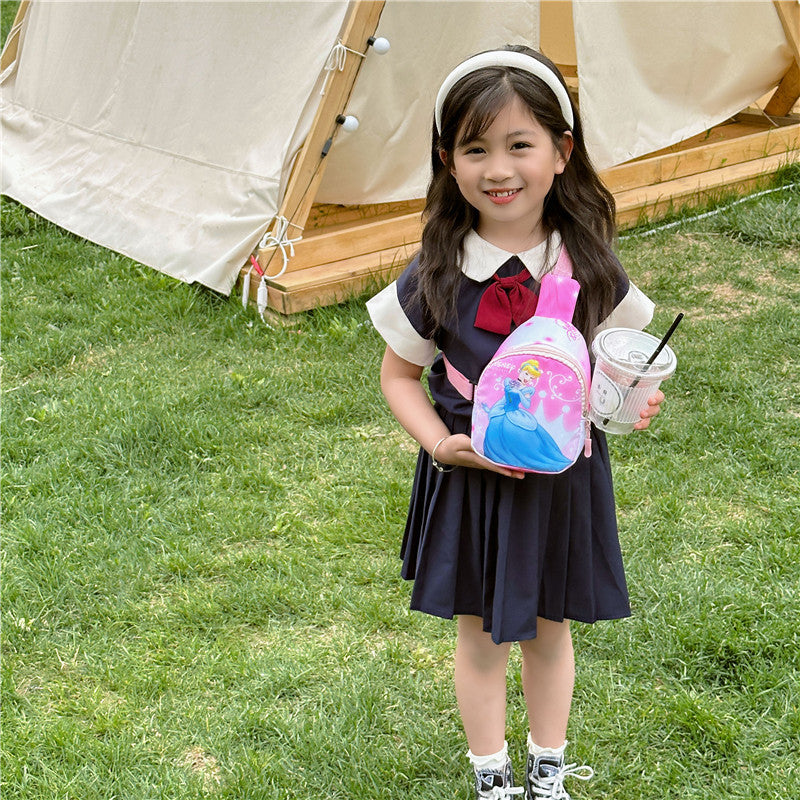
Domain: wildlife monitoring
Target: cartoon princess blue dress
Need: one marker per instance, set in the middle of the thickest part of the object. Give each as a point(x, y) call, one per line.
point(515, 438)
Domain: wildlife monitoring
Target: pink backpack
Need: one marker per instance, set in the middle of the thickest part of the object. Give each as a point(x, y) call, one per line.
point(531, 404)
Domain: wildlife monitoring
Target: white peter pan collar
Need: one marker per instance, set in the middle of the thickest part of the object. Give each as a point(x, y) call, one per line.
point(482, 259)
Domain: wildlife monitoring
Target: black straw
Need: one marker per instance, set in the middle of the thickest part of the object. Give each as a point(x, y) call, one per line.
point(652, 358)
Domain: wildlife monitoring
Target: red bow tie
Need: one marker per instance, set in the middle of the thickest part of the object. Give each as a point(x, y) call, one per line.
point(504, 302)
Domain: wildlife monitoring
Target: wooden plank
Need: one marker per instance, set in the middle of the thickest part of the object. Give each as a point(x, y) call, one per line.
point(789, 14)
point(557, 33)
point(360, 23)
point(334, 283)
point(787, 93)
point(329, 216)
point(380, 261)
point(740, 125)
point(656, 169)
point(638, 205)
point(327, 247)
point(287, 303)
point(569, 71)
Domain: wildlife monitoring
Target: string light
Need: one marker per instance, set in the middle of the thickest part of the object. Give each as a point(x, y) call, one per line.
point(348, 123)
point(379, 44)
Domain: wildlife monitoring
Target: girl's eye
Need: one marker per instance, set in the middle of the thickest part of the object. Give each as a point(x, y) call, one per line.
point(519, 145)
point(473, 150)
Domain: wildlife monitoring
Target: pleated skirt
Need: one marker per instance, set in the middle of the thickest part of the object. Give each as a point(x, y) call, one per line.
point(510, 550)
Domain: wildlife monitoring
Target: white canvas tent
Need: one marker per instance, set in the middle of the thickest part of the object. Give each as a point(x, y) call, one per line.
point(180, 133)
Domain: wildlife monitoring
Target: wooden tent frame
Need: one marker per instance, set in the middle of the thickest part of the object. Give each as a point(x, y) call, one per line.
point(345, 250)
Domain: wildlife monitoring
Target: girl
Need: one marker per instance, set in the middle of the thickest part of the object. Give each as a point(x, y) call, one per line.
point(513, 556)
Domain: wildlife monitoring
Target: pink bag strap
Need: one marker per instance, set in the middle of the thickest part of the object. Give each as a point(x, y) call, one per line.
point(564, 263)
point(559, 291)
point(461, 382)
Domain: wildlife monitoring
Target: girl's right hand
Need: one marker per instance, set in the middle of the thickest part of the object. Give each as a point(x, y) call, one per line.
point(457, 449)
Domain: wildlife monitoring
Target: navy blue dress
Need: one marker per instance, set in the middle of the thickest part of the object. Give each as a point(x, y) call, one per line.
point(504, 549)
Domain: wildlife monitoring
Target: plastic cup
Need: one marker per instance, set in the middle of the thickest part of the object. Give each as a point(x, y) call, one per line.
point(623, 382)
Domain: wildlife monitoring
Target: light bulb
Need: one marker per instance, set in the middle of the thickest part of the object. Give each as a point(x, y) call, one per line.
point(379, 44)
point(349, 123)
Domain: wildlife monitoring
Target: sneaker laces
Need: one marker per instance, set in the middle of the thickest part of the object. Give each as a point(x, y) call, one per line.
point(500, 792)
point(552, 786)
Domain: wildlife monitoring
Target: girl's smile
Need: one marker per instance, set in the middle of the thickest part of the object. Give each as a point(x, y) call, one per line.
point(502, 197)
point(506, 173)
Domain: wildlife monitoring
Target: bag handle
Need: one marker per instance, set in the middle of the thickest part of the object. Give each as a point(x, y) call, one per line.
point(559, 290)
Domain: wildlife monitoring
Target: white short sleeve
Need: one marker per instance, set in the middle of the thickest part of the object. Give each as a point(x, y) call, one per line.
point(634, 311)
point(394, 326)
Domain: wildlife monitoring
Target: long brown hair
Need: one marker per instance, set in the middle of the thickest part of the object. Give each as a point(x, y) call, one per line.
point(578, 205)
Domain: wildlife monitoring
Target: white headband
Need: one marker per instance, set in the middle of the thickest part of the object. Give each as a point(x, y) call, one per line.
point(505, 58)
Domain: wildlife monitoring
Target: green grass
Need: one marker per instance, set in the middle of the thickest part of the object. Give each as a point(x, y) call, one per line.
point(8, 10)
point(202, 517)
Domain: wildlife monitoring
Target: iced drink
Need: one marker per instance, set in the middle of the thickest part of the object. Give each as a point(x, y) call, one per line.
point(623, 382)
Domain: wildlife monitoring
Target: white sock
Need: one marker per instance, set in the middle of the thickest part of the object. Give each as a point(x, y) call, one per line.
point(496, 761)
point(535, 750)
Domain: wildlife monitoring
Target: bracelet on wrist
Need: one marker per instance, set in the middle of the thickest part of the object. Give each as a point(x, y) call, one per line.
point(436, 464)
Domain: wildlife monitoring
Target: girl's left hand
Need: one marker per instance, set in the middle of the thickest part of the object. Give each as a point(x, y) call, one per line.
point(653, 408)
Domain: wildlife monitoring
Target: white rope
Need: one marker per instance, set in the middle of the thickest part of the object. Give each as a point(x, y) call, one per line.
point(712, 213)
point(279, 237)
point(500, 792)
point(337, 57)
point(336, 60)
point(262, 298)
point(246, 288)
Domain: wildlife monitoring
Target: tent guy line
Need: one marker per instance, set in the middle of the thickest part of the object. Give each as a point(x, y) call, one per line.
point(713, 212)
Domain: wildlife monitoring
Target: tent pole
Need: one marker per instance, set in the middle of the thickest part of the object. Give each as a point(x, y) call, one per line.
point(788, 91)
point(360, 23)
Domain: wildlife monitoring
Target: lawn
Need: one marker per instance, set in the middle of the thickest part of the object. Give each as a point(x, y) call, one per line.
point(202, 516)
